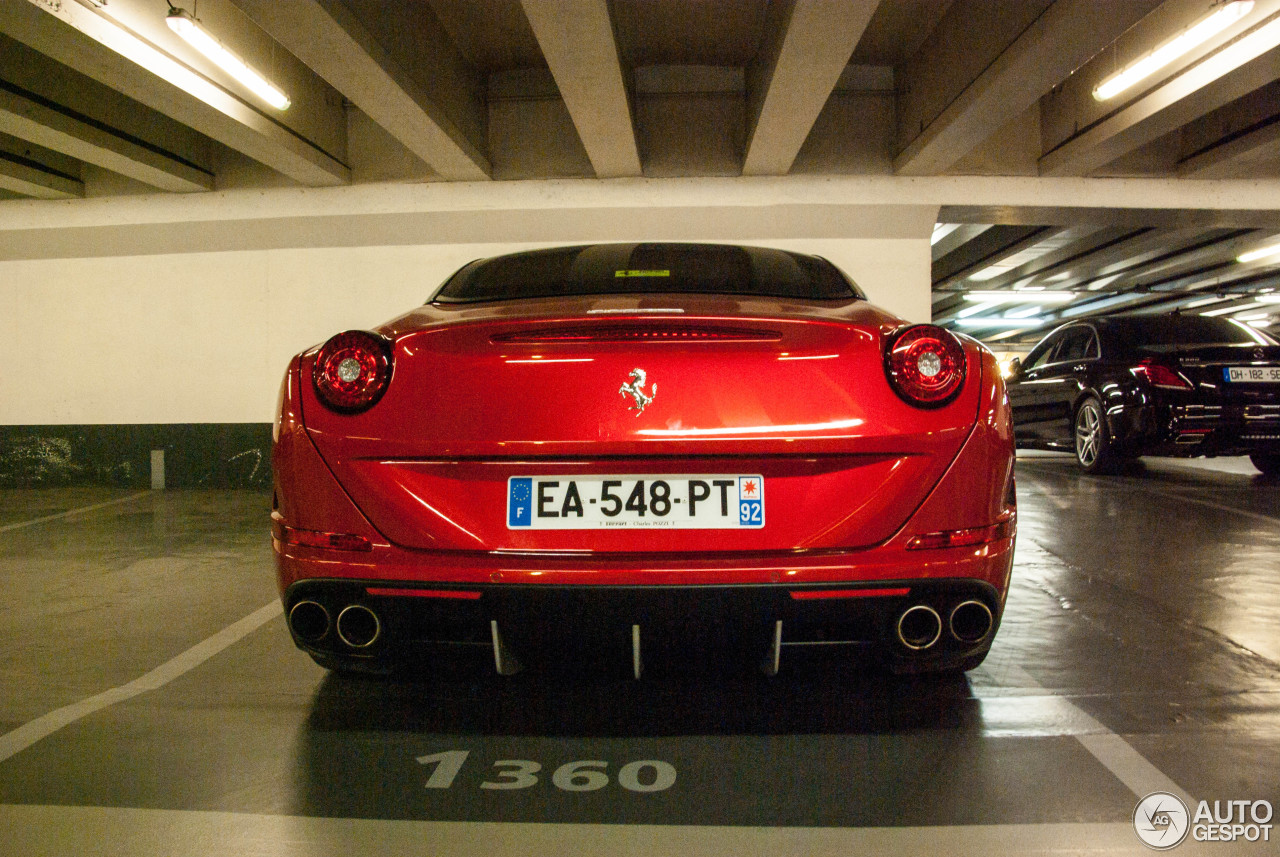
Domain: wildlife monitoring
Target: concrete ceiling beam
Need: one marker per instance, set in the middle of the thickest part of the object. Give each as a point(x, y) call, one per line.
point(1055, 44)
point(962, 234)
point(89, 43)
point(27, 179)
point(988, 248)
point(578, 42)
point(330, 39)
point(39, 123)
point(802, 66)
point(1079, 245)
point(1235, 156)
point(1232, 71)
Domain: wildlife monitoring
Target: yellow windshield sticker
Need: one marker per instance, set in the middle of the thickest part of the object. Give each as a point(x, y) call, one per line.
point(650, 273)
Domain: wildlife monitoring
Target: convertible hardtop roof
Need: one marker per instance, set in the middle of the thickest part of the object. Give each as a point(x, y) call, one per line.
point(649, 268)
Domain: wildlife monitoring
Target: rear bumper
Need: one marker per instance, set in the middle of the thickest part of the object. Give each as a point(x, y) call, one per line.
point(1198, 430)
point(559, 609)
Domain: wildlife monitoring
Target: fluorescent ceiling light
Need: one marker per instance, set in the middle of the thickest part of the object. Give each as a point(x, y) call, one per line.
point(1203, 302)
point(1260, 253)
point(1227, 309)
point(1253, 316)
point(976, 309)
point(1267, 299)
point(1008, 334)
point(1180, 45)
point(185, 25)
point(989, 321)
point(1023, 296)
point(1023, 312)
point(111, 34)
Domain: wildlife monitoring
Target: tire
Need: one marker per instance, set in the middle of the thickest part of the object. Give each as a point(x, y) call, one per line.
point(1094, 450)
point(1267, 462)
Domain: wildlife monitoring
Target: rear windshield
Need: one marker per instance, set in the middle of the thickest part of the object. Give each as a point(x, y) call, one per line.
point(1166, 333)
point(605, 269)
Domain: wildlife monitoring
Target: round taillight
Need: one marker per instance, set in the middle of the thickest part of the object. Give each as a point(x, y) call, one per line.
point(926, 365)
point(352, 371)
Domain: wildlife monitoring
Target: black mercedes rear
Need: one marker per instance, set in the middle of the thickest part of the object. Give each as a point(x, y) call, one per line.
point(1176, 385)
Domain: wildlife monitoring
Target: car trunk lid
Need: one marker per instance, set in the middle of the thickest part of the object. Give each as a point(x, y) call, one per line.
point(793, 394)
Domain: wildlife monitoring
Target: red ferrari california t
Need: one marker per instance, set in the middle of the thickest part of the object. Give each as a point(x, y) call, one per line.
point(646, 452)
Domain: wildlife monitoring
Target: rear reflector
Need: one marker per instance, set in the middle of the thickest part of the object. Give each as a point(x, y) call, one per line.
point(963, 538)
point(812, 594)
point(425, 593)
point(641, 333)
point(324, 541)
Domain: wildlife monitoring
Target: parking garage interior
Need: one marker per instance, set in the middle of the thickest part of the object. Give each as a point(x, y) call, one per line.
point(169, 237)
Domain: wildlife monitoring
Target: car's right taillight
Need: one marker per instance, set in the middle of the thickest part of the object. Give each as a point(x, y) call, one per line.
point(352, 371)
point(1159, 375)
point(925, 365)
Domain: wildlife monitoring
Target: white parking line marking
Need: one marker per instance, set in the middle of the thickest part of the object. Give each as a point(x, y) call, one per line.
point(42, 727)
point(1113, 752)
point(71, 512)
point(56, 831)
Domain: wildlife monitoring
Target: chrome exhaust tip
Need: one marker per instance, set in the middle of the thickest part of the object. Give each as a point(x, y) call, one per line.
point(971, 621)
point(358, 626)
point(919, 627)
point(309, 620)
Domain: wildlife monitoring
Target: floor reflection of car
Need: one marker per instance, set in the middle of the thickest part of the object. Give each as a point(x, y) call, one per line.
point(1179, 385)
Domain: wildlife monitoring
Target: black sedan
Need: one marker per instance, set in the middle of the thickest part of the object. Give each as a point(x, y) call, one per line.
point(1116, 388)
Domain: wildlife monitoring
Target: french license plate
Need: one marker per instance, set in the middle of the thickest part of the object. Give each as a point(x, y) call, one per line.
point(1252, 374)
point(722, 501)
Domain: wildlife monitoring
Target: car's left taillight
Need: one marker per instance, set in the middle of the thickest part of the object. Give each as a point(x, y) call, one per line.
point(925, 365)
point(1159, 375)
point(352, 371)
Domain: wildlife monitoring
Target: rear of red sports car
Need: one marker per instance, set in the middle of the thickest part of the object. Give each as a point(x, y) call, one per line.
point(645, 451)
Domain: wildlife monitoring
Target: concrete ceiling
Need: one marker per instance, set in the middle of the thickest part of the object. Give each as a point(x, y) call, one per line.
point(100, 98)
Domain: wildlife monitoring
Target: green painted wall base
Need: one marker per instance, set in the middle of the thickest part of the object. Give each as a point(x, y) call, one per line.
point(203, 455)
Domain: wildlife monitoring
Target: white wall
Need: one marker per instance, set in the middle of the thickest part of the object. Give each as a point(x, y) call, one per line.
point(205, 337)
point(186, 309)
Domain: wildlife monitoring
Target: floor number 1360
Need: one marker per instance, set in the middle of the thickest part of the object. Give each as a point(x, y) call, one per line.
point(648, 775)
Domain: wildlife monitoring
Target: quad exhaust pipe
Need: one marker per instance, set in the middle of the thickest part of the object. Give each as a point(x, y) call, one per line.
point(971, 621)
point(309, 620)
point(358, 626)
point(920, 626)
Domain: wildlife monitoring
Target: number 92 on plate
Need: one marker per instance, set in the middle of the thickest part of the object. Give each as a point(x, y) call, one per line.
point(719, 501)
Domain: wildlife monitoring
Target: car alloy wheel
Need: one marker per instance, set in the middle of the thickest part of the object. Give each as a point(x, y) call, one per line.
point(1093, 444)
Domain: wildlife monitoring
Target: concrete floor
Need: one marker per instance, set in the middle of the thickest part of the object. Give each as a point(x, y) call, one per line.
point(152, 703)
